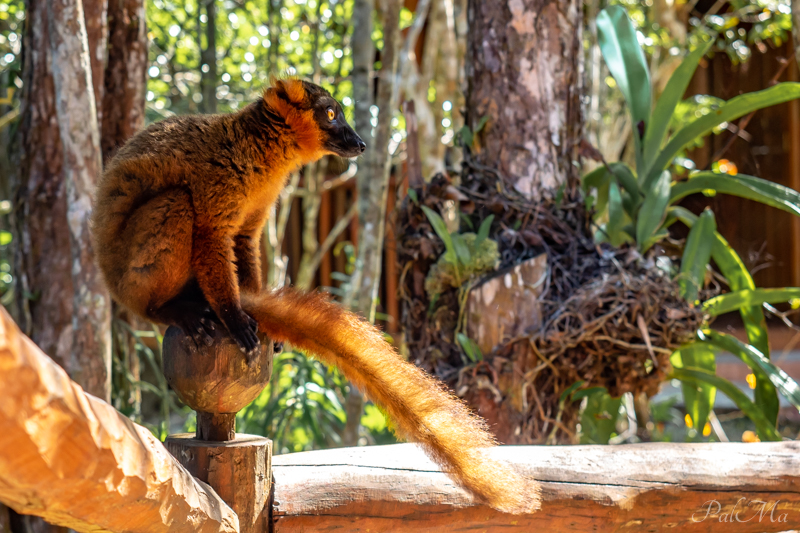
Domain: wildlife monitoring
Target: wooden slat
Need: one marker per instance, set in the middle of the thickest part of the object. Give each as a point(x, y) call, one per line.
point(75, 461)
point(643, 487)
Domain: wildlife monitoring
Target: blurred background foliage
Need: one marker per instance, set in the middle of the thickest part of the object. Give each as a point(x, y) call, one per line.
point(252, 39)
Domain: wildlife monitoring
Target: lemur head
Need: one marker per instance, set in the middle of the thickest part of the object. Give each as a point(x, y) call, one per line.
point(316, 118)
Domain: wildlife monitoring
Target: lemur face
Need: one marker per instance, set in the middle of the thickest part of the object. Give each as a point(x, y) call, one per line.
point(336, 134)
point(315, 117)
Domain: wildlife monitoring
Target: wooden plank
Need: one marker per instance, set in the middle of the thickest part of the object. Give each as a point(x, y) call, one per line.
point(641, 487)
point(75, 461)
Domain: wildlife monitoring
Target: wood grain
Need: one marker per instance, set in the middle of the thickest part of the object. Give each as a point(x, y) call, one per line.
point(75, 461)
point(643, 487)
point(239, 471)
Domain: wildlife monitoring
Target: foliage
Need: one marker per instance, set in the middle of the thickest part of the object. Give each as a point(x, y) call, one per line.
point(638, 205)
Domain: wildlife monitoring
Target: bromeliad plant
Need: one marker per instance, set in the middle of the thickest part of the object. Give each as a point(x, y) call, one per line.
point(638, 205)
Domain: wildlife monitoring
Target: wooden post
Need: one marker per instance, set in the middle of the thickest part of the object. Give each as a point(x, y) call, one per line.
point(217, 381)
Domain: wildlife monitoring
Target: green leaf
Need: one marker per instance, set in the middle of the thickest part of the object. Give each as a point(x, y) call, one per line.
point(733, 301)
point(483, 231)
point(626, 62)
point(413, 195)
point(616, 216)
point(461, 248)
point(756, 361)
point(569, 390)
point(698, 398)
point(470, 347)
point(466, 136)
point(665, 106)
point(595, 179)
point(653, 210)
point(583, 393)
point(730, 110)
point(696, 255)
point(626, 180)
point(750, 187)
point(481, 123)
point(440, 228)
point(732, 267)
point(599, 418)
point(699, 376)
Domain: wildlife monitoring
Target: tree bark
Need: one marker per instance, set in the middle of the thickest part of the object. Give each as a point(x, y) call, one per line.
point(90, 356)
point(362, 76)
point(524, 73)
point(373, 187)
point(43, 303)
point(208, 57)
point(125, 75)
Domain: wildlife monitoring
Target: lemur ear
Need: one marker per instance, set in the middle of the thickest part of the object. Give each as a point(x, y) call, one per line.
point(290, 89)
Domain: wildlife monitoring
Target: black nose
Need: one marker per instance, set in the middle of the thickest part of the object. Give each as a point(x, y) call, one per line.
point(362, 145)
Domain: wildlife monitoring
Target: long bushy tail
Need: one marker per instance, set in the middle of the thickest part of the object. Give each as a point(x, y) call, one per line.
point(419, 405)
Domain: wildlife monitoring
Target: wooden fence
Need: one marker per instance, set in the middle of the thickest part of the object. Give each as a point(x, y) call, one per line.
point(75, 461)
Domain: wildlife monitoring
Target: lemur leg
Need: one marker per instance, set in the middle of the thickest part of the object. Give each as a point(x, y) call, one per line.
point(213, 264)
point(158, 282)
point(248, 253)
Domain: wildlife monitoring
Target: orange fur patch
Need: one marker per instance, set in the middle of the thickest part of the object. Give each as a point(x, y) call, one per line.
point(302, 122)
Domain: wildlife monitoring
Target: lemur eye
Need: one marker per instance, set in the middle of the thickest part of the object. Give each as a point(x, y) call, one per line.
point(331, 114)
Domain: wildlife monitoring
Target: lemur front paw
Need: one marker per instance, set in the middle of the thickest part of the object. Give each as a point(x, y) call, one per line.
point(199, 328)
point(243, 330)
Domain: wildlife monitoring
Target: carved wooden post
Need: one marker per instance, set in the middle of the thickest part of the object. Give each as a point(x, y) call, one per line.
point(217, 382)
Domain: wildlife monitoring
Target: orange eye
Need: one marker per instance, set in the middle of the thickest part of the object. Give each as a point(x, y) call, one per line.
point(331, 114)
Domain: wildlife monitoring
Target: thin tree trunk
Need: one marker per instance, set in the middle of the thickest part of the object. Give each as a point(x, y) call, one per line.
point(362, 76)
point(796, 29)
point(90, 357)
point(208, 57)
point(373, 187)
point(125, 75)
point(122, 107)
point(524, 73)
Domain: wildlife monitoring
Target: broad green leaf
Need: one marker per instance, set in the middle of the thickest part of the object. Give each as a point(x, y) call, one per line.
point(599, 418)
point(766, 430)
point(734, 301)
point(461, 248)
point(696, 255)
point(626, 62)
point(595, 179)
point(698, 398)
point(616, 216)
point(750, 187)
point(483, 231)
point(730, 110)
point(569, 390)
point(732, 267)
point(673, 93)
point(441, 230)
point(653, 210)
point(471, 348)
point(626, 180)
point(756, 361)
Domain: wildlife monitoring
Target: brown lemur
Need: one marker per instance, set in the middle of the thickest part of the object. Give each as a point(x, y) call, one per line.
point(177, 224)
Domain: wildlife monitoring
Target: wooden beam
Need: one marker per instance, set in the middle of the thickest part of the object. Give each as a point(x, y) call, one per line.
point(75, 461)
point(641, 487)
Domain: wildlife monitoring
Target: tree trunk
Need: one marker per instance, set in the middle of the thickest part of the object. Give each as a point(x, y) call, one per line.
point(125, 75)
point(372, 180)
point(208, 57)
point(90, 357)
point(524, 73)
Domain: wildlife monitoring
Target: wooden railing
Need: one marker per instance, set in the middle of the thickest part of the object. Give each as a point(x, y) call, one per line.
point(75, 461)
